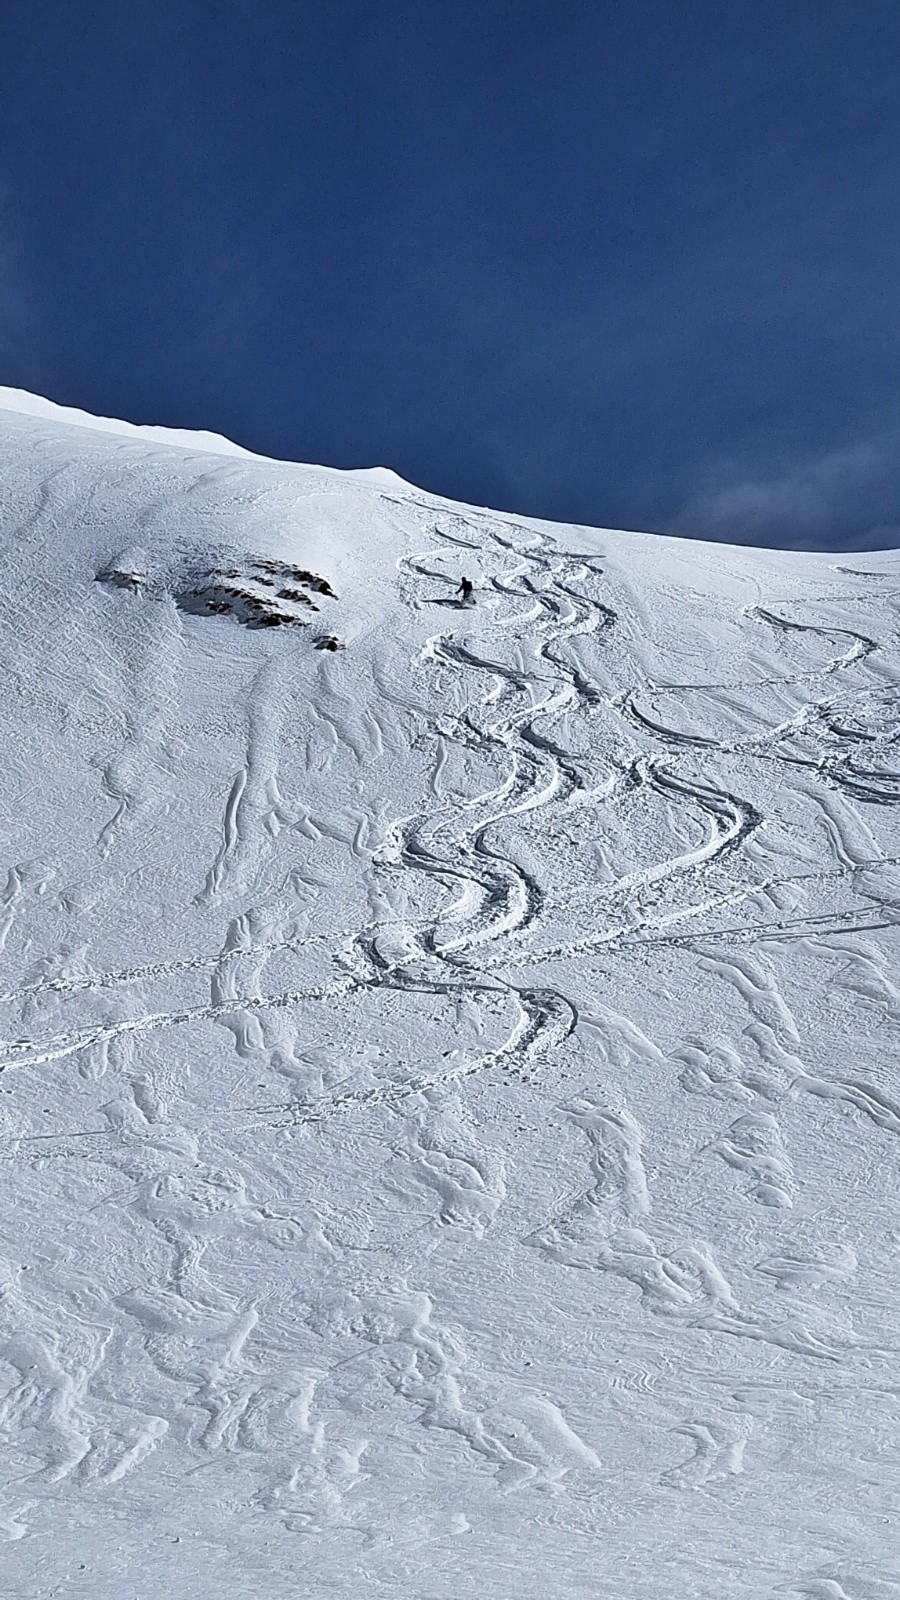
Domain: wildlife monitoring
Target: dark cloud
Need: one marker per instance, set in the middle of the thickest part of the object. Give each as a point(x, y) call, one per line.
point(843, 498)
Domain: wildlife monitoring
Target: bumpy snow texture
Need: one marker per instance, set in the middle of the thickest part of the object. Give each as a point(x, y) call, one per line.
point(451, 1104)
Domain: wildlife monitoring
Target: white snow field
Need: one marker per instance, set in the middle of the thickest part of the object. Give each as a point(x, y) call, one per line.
point(450, 1086)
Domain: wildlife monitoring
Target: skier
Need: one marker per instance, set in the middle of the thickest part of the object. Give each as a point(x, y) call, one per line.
point(466, 590)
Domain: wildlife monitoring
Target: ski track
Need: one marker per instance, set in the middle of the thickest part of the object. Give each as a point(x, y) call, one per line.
point(499, 899)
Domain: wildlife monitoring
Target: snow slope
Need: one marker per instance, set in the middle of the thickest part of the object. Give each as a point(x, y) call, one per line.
point(451, 1109)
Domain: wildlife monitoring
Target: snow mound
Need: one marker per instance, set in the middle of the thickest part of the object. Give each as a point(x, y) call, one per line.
point(32, 405)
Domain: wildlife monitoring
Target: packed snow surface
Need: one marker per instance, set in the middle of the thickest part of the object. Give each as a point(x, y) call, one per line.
point(451, 1104)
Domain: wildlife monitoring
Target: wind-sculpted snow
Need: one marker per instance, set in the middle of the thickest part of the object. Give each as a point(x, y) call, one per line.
point(450, 1085)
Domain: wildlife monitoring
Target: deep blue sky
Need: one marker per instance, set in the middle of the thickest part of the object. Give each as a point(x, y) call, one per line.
point(633, 264)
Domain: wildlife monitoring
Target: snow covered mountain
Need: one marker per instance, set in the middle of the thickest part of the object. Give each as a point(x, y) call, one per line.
point(450, 1059)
